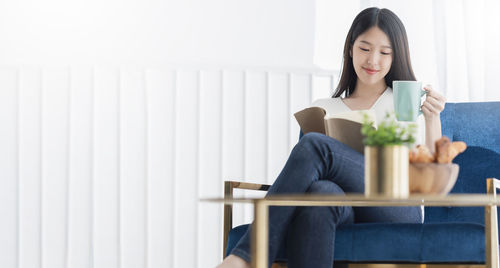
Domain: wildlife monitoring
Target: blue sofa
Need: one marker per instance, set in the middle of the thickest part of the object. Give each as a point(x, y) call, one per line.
point(449, 234)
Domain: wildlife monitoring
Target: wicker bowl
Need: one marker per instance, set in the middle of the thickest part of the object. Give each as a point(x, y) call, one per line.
point(432, 178)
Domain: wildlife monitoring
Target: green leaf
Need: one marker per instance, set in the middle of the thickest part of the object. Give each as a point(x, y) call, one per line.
point(388, 132)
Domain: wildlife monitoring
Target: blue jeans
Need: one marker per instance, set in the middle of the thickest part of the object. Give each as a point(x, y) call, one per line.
point(319, 164)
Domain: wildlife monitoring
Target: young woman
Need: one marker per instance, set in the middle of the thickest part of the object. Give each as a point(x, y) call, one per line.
point(375, 53)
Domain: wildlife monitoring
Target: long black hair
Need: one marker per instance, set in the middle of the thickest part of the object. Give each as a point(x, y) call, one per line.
point(392, 26)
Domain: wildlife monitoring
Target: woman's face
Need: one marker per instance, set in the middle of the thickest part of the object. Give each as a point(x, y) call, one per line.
point(372, 56)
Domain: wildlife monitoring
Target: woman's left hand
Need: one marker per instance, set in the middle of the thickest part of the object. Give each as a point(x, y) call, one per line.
point(433, 104)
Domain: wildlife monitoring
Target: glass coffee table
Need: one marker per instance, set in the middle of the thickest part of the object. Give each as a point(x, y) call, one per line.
point(261, 214)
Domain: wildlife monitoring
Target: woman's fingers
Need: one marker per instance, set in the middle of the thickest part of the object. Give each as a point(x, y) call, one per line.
point(434, 101)
point(433, 93)
point(437, 104)
point(430, 109)
point(426, 110)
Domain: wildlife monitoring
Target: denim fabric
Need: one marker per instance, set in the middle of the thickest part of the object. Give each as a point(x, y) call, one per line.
point(300, 248)
point(311, 231)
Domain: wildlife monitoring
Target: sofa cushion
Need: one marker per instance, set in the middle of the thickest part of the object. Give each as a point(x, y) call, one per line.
point(420, 243)
point(476, 123)
point(476, 165)
point(458, 242)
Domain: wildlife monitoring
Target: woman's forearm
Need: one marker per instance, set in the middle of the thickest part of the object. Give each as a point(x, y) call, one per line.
point(432, 131)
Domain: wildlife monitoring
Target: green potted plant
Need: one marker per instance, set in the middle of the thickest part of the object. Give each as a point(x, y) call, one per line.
point(386, 156)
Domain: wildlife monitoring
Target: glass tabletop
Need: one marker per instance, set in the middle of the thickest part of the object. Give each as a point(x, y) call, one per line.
point(362, 200)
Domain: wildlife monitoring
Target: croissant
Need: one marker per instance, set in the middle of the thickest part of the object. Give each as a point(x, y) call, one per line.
point(447, 150)
point(421, 154)
point(412, 156)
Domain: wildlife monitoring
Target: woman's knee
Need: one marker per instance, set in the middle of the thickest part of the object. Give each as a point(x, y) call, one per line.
point(319, 142)
point(311, 138)
point(325, 187)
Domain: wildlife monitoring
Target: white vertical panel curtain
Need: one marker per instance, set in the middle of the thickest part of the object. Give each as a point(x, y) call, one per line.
point(104, 166)
point(453, 43)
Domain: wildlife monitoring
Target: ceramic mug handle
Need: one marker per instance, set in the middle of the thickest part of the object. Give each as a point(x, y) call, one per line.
point(422, 93)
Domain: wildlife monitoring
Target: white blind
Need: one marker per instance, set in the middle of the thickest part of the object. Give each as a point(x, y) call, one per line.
point(104, 166)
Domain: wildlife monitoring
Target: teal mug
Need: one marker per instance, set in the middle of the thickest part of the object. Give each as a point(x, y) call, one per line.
point(407, 100)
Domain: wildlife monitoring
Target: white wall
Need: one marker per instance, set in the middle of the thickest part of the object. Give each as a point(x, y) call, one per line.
point(492, 57)
point(113, 114)
point(104, 167)
point(259, 32)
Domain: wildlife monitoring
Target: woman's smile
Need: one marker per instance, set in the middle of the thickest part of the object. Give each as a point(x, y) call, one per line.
point(370, 71)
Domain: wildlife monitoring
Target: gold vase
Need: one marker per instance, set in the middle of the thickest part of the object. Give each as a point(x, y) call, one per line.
point(386, 171)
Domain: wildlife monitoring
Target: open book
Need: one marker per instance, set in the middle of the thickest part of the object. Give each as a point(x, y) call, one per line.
point(344, 127)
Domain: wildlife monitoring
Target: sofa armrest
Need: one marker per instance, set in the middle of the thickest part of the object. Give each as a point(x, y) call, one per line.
point(245, 186)
point(228, 208)
point(491, 225)
point(492, 184)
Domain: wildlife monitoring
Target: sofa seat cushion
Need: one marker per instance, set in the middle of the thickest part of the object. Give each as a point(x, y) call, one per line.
point(451, 242)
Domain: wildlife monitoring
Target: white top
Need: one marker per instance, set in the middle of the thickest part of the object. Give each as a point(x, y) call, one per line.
point(384, 104)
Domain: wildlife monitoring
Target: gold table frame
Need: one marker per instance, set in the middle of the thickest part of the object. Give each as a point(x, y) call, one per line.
point(261, 214)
